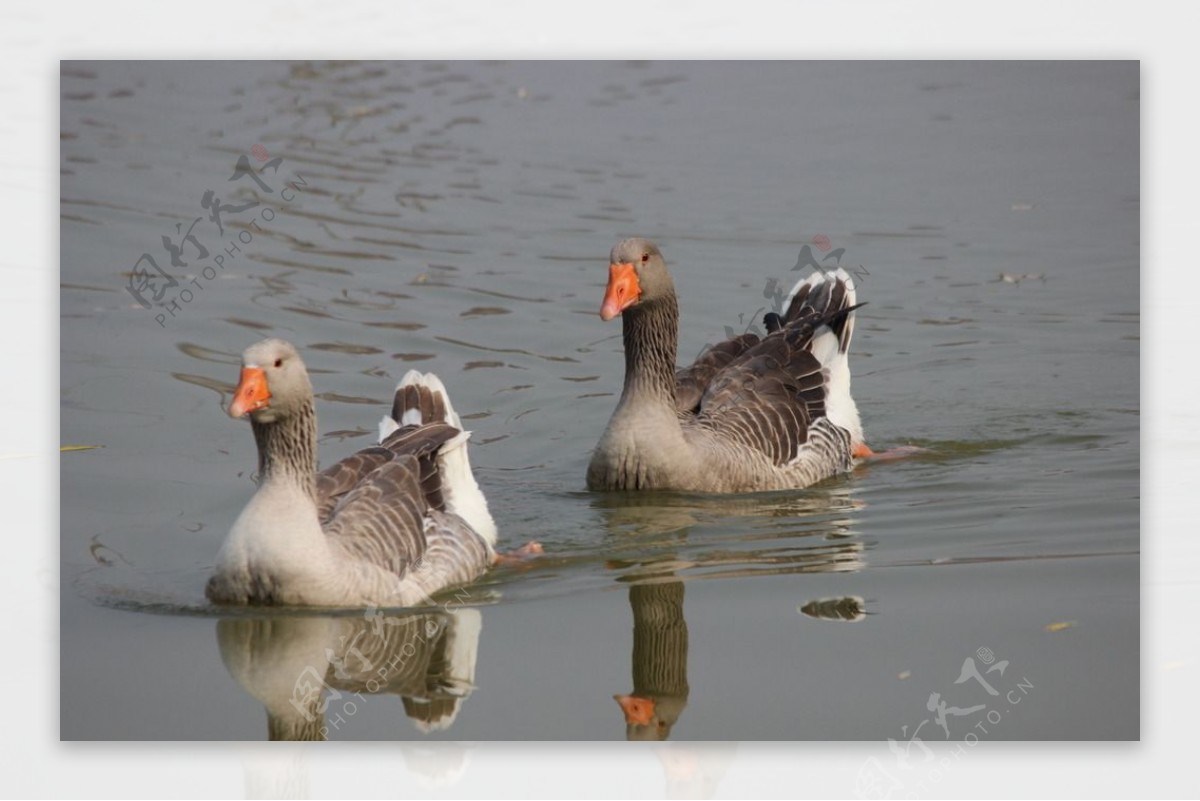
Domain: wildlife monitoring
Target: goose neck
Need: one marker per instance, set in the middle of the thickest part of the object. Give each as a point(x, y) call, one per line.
point(651, 335)
point(287, 449)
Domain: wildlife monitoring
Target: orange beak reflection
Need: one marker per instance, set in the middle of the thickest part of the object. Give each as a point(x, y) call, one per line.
point(251, 393)
point(638, 711)
point(622, 292)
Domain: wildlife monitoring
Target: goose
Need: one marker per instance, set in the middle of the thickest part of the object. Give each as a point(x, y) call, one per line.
point(388, 526)
point(751, 414)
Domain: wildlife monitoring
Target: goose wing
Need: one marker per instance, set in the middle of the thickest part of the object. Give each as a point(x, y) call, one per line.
point(770, 396)
point(382, 519)
point(816, 297)
point(767, 399)
point(335, 481)
point(691, 382)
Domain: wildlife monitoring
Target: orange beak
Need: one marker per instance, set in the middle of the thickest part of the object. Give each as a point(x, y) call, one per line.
point(251, 393)
point(638, 711)
point(622, 292)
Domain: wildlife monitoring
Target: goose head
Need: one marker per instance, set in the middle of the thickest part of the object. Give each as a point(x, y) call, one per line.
point(274, 382)
point(637, 275)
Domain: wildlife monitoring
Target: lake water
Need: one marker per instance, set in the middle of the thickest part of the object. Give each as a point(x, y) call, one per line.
point(457, 218)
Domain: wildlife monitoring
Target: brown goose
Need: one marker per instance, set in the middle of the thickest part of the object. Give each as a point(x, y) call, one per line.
point(387, 526)
point(751, 414)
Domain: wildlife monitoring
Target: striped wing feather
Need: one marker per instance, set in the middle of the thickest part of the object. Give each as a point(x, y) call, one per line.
point(381, 521)
point(691, 382)
point(375, 503)
point(336, 480)
point(769, 394)
point(767, 398)
point(453, 552)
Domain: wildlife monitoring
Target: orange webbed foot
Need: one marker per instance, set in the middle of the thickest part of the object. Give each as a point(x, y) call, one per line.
point(864, 453)
point(523, 554)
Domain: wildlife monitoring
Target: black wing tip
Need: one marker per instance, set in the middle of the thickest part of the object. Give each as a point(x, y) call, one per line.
point(841, 314)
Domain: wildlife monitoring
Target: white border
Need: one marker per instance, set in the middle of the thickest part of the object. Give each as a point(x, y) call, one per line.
point(34, 36)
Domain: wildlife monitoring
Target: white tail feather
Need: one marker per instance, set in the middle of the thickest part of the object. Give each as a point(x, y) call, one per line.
point(463, 496)
point(840, 407)
point(387, 426)
point(824, 346)
point(462, 493)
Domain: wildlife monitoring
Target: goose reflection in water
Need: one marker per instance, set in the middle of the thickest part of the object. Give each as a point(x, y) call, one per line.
point(659, 541)
point(656, 535)
point(660, 652)
point(311, 673)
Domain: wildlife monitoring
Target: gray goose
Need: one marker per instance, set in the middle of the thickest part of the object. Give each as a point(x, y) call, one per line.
point(751, 413)
point(388, 526)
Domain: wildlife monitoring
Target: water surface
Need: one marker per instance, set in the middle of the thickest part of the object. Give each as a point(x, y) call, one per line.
point(457, 217)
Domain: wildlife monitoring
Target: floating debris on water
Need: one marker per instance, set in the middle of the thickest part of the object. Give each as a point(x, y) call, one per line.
point(1060, 626)
point(1016, 278)
point(850, 608)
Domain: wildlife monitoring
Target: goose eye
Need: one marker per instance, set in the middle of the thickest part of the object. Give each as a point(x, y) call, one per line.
point(645, 258)
point(279, 362)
